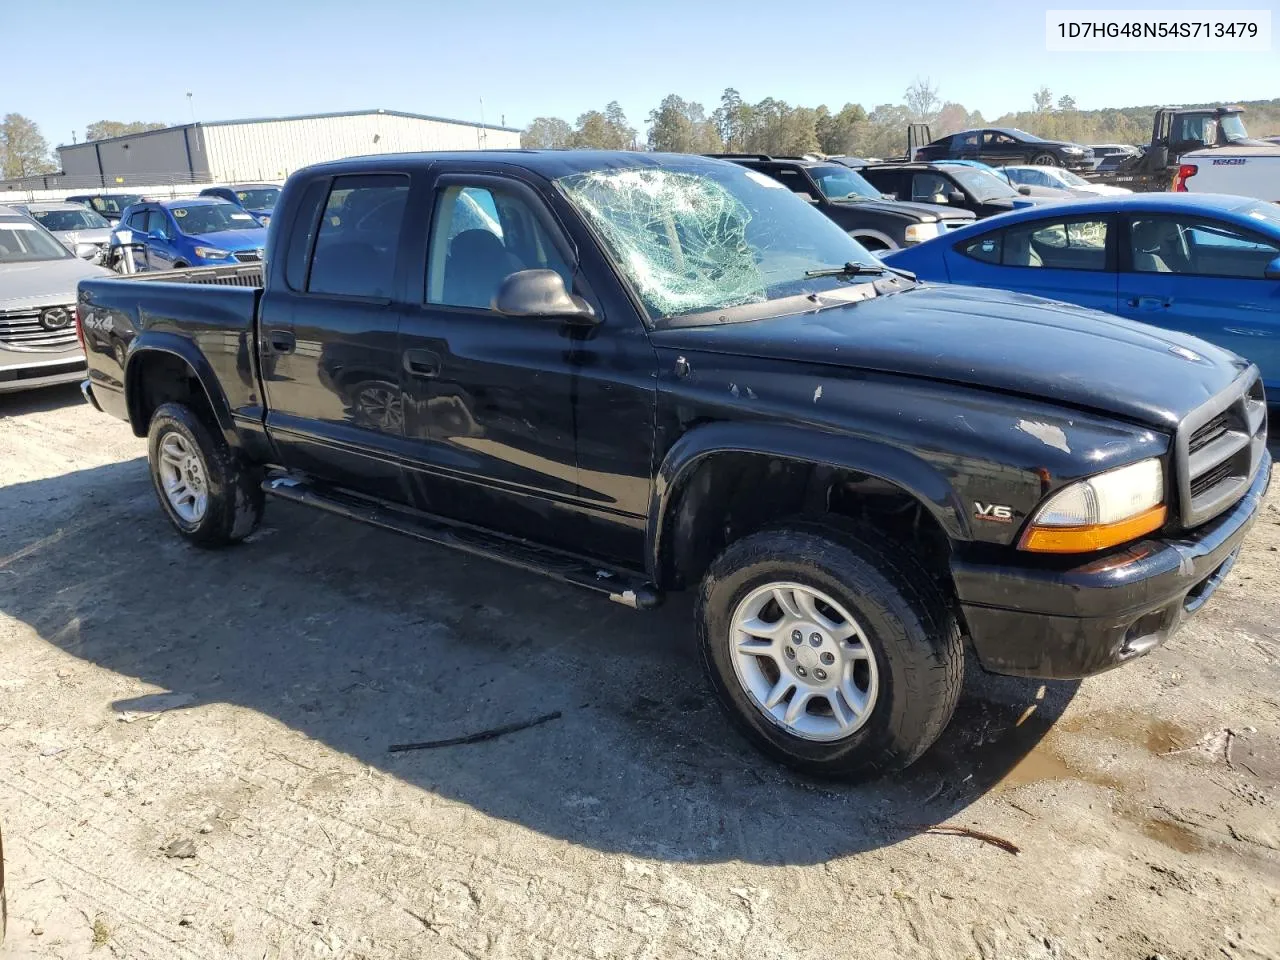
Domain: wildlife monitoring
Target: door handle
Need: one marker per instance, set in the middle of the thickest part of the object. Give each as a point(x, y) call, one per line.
point(1149, 303)
point(280, 341)
point(422, 363)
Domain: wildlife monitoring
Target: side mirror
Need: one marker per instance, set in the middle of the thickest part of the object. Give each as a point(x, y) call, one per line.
point(955, 198)
point(86, 251)
point(1025, 191)
point(541, 293)
point(1272, 271)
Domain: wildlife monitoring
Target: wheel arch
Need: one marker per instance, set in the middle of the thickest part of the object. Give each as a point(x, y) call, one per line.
point(858, 233)
point(804, 467)
point(183, 374)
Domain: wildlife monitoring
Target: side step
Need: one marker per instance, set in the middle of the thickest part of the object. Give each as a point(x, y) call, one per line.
point(618, 585)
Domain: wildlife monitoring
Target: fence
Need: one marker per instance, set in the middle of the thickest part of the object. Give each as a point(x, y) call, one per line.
point(57, 187)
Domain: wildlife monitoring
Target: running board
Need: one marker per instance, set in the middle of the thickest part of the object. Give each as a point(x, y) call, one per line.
point(619, 586)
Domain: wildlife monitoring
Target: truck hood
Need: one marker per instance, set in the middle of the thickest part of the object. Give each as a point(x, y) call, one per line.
point(936, 211)
point(1238, 148)
point(995, 340)
point(70, 238)
point(44, 282)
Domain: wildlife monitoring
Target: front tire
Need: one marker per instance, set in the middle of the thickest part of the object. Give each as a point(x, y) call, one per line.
point(838, 658)
point(1044, 160)
point(208, 493)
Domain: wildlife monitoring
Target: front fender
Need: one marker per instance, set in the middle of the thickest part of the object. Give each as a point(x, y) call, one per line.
point(151, 342)
point(787, 441)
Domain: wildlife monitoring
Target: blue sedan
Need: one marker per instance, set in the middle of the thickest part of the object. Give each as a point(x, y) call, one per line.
point(1202, 264)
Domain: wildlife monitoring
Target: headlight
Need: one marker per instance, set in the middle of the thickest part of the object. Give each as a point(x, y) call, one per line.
point(1103, 511)
point(918, 232)
point(1074, 151)
point(212, 253)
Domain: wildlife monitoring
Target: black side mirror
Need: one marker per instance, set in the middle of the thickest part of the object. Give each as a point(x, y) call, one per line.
point(541, 293)
point(1025, 190)
point(955, 198)
point(1272, 271)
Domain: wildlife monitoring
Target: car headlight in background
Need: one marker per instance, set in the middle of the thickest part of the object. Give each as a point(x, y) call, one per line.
point(212, 253)
point(1103, 511)
point(919, 232)
point(1074, 151)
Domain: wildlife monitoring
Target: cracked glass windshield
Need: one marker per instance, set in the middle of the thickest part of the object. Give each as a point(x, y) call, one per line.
point(710, 236)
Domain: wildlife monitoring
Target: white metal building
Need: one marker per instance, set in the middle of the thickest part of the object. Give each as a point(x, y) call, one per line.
point(266, 149)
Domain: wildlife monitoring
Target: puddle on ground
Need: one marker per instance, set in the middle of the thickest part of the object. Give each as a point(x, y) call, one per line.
point(1173, 835)
point(1156, 735)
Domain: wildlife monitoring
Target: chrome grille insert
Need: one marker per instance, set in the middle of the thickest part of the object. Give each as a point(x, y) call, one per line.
point(22, 329)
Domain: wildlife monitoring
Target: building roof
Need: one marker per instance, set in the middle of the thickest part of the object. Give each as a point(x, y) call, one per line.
point(301, 116)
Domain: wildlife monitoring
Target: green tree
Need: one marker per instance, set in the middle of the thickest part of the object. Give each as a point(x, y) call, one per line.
point(1043, 99)
point(839, 133)
point(681, 126)
point(733, 120)
point(604, 131)
point(1067, 103)
point(952, 118)
point(887, 131)
point(23, 151)
point(547, 133)
point(104, 129)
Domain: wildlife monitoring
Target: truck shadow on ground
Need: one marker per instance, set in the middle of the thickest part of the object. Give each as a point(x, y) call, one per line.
point(361, 639)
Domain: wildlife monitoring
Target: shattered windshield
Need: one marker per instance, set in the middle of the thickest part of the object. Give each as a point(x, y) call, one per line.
point(705, 237)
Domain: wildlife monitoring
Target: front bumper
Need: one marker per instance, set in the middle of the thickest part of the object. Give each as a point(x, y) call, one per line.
point(1078, 164)
point(43, 374)
point(1064, 624)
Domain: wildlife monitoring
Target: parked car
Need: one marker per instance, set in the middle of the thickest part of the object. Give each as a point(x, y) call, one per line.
point(108, 205)
point(1061, 182)
point(258, 198)
point(664, 372)
point(861, 210)
point(196, 232)
point(998, 146)
point(38, 277)
point(80, 229)
point(1052, 193)
point(1102, 151)
point(957, 185)
point(1203, 265)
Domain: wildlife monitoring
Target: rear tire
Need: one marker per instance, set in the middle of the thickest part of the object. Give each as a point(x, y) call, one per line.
point(879, 657)
point(208, 493)
point(1044, 160)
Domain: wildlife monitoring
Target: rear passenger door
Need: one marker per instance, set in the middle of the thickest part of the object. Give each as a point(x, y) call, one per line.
point(328, 330)
point(160, 237)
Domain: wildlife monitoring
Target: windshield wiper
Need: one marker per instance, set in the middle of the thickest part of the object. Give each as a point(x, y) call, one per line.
point(850, 269)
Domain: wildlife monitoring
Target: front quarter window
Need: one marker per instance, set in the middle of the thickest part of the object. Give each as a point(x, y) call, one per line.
point(691, 240)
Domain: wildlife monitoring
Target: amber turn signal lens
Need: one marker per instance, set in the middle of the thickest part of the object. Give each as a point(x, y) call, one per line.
point(1096, 536)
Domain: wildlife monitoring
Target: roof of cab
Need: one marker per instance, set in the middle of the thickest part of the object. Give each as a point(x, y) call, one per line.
point(548, 163)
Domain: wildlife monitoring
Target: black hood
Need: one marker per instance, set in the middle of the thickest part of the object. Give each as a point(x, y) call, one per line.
point(938, 211)
point(992, 339)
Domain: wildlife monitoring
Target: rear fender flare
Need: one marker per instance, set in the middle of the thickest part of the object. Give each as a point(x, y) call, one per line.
point(152, 342)
point(788, 441)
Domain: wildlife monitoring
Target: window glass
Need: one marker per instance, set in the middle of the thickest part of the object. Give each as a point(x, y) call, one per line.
point(358, 236)
point(83, 219)
point(138, 221)
point(929, 188)
point(1198, 248)
point(156, 223)
point(986, 249)
point(479, 237)
point(1060, 245)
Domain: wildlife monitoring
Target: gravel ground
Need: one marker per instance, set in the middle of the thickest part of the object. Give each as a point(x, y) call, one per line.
point(193, 748)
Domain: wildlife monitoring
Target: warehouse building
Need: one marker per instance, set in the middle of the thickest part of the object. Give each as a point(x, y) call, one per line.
point(266, 149)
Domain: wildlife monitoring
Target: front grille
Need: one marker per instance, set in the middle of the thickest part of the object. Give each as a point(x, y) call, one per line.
point(1219, 449)
point(23, 329)
point(249, 256)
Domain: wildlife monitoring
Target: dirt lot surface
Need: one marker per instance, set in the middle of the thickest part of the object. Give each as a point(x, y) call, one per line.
point(193, 750)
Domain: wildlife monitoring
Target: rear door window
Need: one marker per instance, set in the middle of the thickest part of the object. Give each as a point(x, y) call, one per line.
point(358, 236)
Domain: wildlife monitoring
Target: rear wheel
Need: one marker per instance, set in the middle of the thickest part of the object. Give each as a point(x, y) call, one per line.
point(208, 493)
point(838, 658)
point(1044, 160)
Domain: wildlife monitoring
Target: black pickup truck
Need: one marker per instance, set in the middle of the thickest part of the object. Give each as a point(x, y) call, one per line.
point(640, 373)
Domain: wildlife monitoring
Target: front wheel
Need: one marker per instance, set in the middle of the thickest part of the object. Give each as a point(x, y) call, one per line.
point(835, 657)
point(209, 494)
point(1044, 160)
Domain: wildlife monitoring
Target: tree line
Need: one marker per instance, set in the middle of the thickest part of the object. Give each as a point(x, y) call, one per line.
point(775, 127)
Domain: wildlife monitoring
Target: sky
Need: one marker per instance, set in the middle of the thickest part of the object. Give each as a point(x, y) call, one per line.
point(562, 57)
